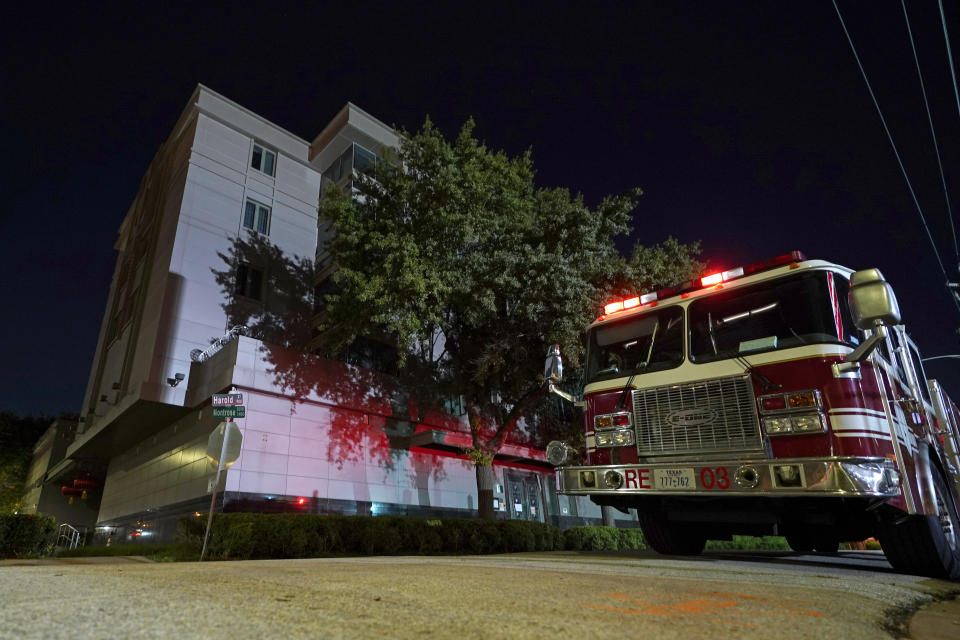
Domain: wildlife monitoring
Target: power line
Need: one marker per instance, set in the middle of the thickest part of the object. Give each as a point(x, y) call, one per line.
point(939, 358)
point(936, 146)
point(893, 145)
point(953, 73)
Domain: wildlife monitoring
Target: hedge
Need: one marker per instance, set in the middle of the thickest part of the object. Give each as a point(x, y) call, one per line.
point(23, 536)
point(762, 543)
point(241, 536)
point(603, 539)
point(158, 552)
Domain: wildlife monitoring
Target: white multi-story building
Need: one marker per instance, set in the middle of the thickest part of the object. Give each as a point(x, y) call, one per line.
point(318, 436)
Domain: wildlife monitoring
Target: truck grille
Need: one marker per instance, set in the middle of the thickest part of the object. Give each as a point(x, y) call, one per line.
point(707, 416)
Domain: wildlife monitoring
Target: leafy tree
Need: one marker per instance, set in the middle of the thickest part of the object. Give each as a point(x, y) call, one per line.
point(18, 435)
point(452, 251)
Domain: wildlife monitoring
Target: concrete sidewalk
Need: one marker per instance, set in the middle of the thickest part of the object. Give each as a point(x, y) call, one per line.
point(936, 621)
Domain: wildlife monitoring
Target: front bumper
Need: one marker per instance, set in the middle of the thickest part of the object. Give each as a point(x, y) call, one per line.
point(834, 476)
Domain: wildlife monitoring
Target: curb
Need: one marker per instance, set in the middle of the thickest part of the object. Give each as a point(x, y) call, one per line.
point(37, 562)
point(936, 621)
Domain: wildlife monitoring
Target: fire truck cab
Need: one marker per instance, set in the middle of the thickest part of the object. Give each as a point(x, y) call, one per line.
point(780, 398)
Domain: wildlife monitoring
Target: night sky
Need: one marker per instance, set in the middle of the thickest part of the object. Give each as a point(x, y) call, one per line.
point(747, 124)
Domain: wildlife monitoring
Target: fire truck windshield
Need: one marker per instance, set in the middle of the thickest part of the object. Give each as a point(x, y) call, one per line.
point(636, 345)
point(772, 315)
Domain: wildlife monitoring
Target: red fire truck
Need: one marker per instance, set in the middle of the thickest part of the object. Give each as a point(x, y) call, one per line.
point(784, 398)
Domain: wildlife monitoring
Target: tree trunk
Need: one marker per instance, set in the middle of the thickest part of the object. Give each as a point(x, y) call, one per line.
point(607, 514)
point(485, 491)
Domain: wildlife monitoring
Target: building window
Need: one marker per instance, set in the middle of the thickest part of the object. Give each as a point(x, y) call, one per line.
point(263, 160)
point(372, 354)
point(363, 160)
point(256, 217)
point(249, 282)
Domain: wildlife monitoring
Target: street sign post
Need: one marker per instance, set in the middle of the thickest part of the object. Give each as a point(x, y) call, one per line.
point(230, 412)
point(223, 448)
point(223, 445)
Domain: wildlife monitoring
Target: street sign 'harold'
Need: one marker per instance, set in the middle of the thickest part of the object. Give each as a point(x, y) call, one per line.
point(227, 399)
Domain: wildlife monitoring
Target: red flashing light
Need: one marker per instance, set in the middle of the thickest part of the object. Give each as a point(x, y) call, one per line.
point(779, 261)
point(301, 500)
point(712, 279)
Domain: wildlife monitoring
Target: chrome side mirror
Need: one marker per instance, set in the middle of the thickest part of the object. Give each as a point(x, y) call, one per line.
point(553, 373)
point(553, 367)
point(872, 301)
point(874, 307)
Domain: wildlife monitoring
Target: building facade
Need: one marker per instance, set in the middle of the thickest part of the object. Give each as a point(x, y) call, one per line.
point(319, 435)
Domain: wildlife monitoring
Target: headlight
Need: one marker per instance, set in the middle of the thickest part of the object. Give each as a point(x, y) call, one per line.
point(803, 423)
point(619, 438)
point(810, 422)
point(777, 425)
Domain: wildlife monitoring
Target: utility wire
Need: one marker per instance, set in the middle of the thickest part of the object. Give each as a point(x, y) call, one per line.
point(939, 358)
point(892, 144)
point(936, 147)
point(953, 73)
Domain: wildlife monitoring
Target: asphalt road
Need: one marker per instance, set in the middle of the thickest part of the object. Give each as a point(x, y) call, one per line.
point(851, 595)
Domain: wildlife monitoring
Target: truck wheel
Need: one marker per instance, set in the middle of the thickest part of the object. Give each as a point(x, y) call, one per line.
point(670, 538)
point(801, 542)
point(826, 544)
point(807, 541)
point(926, 545)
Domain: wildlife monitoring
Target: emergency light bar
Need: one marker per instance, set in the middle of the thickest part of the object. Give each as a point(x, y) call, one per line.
point(701, 283)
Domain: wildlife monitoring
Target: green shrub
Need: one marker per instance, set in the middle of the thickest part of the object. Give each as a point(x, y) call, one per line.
point(157, 552)
point(775, 543)
point(23, 536)
point(240, 536)
point(190, 531)
point(603, 539)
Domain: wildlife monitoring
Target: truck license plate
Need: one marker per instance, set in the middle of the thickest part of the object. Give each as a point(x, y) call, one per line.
point(674, 479)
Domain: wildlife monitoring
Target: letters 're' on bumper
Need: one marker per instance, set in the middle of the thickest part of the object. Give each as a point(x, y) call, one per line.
point(840, 477)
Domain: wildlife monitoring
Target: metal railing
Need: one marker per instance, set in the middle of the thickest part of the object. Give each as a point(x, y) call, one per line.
point(68, 537)
point(201, 355)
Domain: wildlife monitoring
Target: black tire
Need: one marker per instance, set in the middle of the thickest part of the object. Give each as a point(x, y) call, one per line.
point(800, 542)
point(826, 544)
point(671, 538)
point(926, 545)
point(805, 541)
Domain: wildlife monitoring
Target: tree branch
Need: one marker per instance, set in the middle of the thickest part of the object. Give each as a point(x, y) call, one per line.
point(519, 410)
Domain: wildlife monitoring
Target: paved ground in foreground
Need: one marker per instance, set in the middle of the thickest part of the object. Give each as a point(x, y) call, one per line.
point(744, 595)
